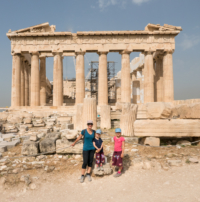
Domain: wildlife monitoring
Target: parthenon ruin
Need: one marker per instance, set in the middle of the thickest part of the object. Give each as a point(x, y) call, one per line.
point(31, 46)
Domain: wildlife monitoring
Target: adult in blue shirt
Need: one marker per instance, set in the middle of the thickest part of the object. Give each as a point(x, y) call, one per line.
point(88, 150)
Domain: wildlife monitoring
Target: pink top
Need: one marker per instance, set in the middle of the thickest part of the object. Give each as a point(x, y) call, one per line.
point(118, 143)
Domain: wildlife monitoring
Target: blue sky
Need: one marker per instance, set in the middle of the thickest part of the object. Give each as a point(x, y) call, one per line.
point(97, 15)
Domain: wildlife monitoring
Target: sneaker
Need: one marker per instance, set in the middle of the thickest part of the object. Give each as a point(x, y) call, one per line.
point(101, 168)
point(89, 178)
point(82, 179)
point(117, 174)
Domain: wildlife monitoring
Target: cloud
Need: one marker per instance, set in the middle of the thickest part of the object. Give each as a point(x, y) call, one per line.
point(105, 3)
point(139, 2)
point(190, 41)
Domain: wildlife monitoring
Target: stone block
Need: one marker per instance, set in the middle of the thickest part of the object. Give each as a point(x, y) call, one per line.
point(10, 145)
point(105, 117)
point(30, 148)
point(4, 116)
point(78, 117)
point(159, 110)
point(70, 134)
point(174, 162)
point(47, 145)
point(64, 119)
point(167, 128)
point(131, 139)
point(183, 143)
point(28, 120)
point(3, 149)
point(54, 135)
point(33, 138)
point(62, 143)
point(151, 141)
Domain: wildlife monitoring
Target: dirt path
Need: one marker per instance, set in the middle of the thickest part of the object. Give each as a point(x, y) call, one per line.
point(177, 184)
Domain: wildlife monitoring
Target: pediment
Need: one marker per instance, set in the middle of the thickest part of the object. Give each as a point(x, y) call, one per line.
point(36, 29)
point(165, 27)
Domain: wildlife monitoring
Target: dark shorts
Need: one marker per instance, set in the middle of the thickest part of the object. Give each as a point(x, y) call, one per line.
point(116, 159)
point(100, 158)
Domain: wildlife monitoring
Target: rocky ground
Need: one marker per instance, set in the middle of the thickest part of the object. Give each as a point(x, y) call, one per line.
point(150, 174)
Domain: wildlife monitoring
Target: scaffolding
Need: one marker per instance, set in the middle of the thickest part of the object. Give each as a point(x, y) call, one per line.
point(92, 78)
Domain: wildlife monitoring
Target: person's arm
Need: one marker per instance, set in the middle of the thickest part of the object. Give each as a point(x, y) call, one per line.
point(95, 145)
point(80, 136)
point(101, 146)
point(123, 146)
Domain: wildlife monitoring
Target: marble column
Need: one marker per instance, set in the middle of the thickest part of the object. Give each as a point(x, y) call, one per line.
point(80, 77)
point(29, 80)
point(22, 81)
point(58, 80)
point(148, 77)
point(26, 78)
point(16, 80)
point(134, 87)
point(168, 81)
point(42, 81)
point(125, 77)
point(159, 79)
point(103, 80)
point(35, 79)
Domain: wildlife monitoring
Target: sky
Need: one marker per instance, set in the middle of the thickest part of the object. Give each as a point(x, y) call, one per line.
point(106, 15)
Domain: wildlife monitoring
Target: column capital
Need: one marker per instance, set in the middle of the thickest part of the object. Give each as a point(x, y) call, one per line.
point(125, 52)
point(148, 52)
point(57, 53)
point(102, 52)
point(42, 56)
point(168, 51)
point(34, 52)
point(80, 53)
point(16, 53)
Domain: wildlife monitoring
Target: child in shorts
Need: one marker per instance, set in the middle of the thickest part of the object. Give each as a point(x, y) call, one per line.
point(98, 144)
point(118, 154)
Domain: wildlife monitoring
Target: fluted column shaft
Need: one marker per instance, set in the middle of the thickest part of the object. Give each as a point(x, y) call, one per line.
point(22, 82)
point(103, 79)
point(16, 81)
point(125, 77)
point(80, 78)
point(35, 79)
point(148, 77)
point(58, 80)
point(159, 79)
point(168, 81)
point(26, 77)
point(42, 81)
point(29, 80)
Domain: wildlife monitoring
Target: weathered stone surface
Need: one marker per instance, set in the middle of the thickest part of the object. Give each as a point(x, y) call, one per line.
point(30, 148)
point(193, 160)
point(70, 134)
point(77, 149)
point(28, 120)
point(4, 116)
point(64, 119)
point(151, 141)
point(167, 128)
point(54, 135)
point(105, 117)
point(34, 138)
point(48, 145)
point(10, 145)
point(187, 111)
point(3, 149)
point(78, 117)
point(128, 117)
point(159, 110)
point(183, 142)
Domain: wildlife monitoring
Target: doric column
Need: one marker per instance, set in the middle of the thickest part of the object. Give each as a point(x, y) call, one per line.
point(35, 79)
point(80, 77)
point(29, 80)
point(168, 81)
point(42, 81)
point(16, 81)
point(22, 82)
point(159, 79)
point(148, 77)
point(134, 87)
point(58, 80)
point(26, 78)
point(125, 77)
point(103, 80)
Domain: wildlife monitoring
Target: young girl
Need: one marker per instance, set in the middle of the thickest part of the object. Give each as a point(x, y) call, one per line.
point(118, 151)
point(98, 144)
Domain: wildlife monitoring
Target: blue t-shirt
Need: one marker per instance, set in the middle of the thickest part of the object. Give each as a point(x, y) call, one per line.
point(88, 140)
point(98, 143)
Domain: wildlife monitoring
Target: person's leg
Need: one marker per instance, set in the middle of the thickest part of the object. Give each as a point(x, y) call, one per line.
point(85, 161)
point(90, 161)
